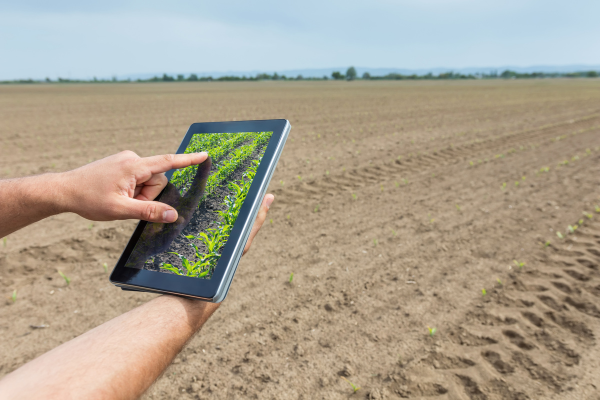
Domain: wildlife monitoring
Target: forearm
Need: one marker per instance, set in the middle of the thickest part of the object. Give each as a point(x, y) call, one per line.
point(119, 359)
point(24, 201)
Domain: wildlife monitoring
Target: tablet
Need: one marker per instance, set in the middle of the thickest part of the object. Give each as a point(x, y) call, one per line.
point(217, 202)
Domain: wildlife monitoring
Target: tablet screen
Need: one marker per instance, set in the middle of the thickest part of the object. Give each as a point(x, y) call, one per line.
point(208, 198)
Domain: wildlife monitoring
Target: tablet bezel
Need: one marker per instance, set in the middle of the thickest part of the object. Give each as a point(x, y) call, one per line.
point(208, 289)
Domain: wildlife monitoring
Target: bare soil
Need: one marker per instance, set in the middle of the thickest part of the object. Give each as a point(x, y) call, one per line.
point(392, 213)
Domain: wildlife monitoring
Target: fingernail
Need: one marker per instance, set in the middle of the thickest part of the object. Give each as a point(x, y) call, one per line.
point(169, 216)
point(269, 201)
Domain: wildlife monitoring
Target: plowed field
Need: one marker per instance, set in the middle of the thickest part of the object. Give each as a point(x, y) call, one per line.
point(400, 206)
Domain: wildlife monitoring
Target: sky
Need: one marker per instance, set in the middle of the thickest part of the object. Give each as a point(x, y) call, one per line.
point(82, 39)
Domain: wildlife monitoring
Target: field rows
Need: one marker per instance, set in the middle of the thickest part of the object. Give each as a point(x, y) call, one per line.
point(381, 248)
point(410, 167)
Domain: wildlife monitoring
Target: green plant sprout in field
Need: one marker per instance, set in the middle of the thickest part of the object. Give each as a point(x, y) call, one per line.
point(397, 184)
point(458, 207)
point(483, 292)
point(4, 242)
point(588, 215)
point(224, 151)
point(547, 243)
point(66, 278)
point(375, 242)
point(316, 208)
point(519, 264)
point(597, 210)
point(354, 196)
point(572, 228)
point(560, 235)
point(105, 266)
point(516, 183)
point(405, 181)
point(201, 268)
point(432, 331)
point(394, 233)
point(14, 296)
point(499, 281)
point(354, 387)
point(214, 238)
point(504, 186)
point(291, 277)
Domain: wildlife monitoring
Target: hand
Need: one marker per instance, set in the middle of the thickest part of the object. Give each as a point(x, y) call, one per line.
point(122, 186)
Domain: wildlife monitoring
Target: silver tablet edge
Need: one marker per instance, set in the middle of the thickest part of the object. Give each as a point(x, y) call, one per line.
point(234, 261)
point(158, 291)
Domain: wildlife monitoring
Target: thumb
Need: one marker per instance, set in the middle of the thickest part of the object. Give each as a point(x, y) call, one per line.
point(151, 211)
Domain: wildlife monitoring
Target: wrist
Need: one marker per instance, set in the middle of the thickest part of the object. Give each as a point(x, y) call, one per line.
point(56, 195)
point(24, 201)
point(193, 312)
point(41, 196)
point(64, 197)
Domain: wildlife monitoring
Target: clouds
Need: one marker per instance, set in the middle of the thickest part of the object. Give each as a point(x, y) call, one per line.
point(83, 39)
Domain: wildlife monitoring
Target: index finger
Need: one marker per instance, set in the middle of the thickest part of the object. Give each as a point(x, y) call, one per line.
point(159, 164)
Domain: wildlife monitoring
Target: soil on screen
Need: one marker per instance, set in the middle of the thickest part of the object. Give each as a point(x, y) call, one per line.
point(204, 217)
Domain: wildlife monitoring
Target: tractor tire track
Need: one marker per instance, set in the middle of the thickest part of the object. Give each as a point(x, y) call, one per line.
point(439, 161)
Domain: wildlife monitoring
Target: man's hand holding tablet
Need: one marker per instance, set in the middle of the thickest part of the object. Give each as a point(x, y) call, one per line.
point(121, 358)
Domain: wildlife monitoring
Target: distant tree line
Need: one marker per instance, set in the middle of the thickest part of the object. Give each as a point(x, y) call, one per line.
point(336, 75)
